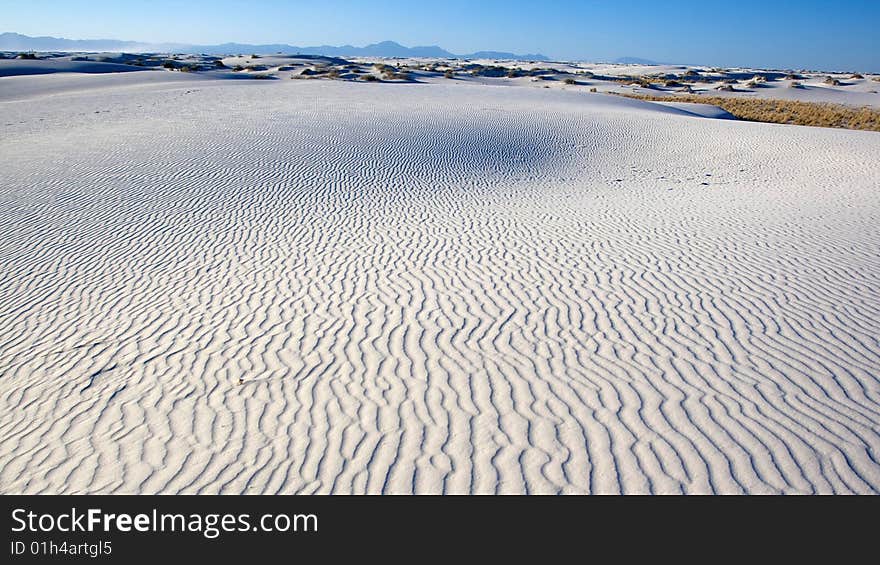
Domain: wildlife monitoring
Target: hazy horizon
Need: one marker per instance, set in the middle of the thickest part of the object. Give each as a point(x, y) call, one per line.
point(813, 34)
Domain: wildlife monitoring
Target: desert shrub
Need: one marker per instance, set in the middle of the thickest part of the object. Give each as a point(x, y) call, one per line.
point(857, 76)
point(820, 114)
point(219, 64)
point(189, 68)
point(570, 81)
point(255, 56)
point(724, 88)
point(395, 76)
point(449, 74)
point(169, 65)
point(671, 83)
point(512, 73)
point(593, 89)
point(333, 74)
point(237, 68)
point(832, 81)
point(795, 84)
point(370, 78)
point(29, 56)
point(792, 76)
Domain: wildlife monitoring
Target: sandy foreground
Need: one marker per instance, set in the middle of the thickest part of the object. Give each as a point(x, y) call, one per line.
point(314, 286)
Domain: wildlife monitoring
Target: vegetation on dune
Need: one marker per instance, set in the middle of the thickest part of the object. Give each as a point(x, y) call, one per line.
point(796, 112)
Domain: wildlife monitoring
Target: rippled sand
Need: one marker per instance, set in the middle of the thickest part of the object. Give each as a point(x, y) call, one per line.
point(297, 286)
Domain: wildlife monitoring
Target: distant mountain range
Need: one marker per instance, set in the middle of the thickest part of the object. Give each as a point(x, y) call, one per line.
point(635, 61)
point(18, 42)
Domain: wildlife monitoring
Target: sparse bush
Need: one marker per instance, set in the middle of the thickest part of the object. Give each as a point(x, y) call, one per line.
point(857, 76)
point(449, 74)
point(593, 89)
point(169, 65)
point(570, 81)
point(795, 84)
point(29, 56)
point(795, 112)
point(370, 78)
point(671, 84)
point(255, 56)
point(237, 68)
point(831, 81)
point(219, 64)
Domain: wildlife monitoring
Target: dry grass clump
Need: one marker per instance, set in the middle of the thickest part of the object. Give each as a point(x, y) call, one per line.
point(570, 81)
point(820, 114)
point(832, 81)
point(449, 74)
point(856, 76)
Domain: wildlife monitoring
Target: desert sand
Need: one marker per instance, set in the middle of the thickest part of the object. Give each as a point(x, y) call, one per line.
point(298, 286)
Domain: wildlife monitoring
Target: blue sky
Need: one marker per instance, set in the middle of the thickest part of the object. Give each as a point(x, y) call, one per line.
point(814, 34)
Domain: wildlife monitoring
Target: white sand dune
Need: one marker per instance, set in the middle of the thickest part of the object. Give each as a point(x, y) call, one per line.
point(316, 286)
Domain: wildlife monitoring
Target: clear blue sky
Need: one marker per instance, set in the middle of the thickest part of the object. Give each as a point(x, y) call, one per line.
point(820, 34)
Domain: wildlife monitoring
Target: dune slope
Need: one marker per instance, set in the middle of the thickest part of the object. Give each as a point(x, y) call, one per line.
point(302, 286)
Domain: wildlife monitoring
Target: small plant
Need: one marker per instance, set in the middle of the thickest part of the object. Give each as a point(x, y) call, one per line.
point(29, 56)
point(570, 81)
point(593, 89)
point(255, 56)
point(831, 81)
point(169, 65)
point(795, 84)
point(370, 78)
point(449, 74)
point(857, 76)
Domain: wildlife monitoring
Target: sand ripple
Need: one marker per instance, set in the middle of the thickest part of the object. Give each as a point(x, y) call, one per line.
point(349, 288)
